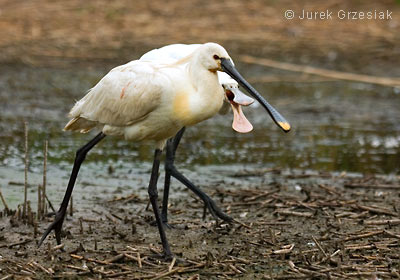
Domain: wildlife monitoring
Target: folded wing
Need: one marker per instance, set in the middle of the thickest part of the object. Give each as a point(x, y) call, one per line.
point(126, 95)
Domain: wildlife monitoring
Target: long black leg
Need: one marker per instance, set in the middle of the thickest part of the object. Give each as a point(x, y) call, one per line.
point(172, 145)
point(170, 170)
point(215, 211)
point(60, 215)
point(153, 194)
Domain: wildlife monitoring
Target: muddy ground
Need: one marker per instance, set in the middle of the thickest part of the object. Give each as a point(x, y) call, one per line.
point(291, 223)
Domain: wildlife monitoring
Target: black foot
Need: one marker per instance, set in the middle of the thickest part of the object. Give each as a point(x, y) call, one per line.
point(215, 211)
point(162, 257)
point(166, 225)
point(56, 225)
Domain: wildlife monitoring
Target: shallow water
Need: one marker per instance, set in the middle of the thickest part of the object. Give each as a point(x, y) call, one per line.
point(337, 126)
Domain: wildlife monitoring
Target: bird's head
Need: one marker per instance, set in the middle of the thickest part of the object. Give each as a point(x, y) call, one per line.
point(215, 58)
point(211, 55)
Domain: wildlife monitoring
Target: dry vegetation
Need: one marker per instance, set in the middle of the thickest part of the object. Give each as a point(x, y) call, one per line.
point(307, 225)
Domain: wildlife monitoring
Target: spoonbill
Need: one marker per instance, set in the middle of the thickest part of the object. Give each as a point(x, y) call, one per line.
point(233, 95)
point(150, 100)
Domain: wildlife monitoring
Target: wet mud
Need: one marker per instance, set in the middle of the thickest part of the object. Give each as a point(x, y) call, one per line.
point(289, 225)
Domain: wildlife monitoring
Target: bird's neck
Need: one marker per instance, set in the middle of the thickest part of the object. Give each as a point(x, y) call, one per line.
point(205, 81)
point(207, 94)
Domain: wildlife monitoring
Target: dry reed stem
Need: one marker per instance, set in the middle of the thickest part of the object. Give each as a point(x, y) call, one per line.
point(39, 204)
point(26, 170)
point(44, 185)
point(4, 202)
point(384, 81)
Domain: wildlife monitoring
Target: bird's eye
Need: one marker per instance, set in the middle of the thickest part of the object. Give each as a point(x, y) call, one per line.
point(216, 57)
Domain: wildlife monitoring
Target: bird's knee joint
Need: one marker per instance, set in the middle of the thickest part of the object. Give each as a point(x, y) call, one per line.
point(153, 193)
point(169, 166)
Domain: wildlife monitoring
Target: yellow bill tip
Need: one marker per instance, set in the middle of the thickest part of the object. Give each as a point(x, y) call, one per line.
point(285, 126)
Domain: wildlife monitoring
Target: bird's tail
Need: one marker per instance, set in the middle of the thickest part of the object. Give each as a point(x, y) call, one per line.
point(80, 124)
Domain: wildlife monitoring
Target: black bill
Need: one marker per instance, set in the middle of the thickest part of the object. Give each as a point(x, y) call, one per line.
point(228, 68)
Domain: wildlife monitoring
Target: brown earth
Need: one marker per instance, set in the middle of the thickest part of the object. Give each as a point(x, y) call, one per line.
point(47, 32)
point(295, 225)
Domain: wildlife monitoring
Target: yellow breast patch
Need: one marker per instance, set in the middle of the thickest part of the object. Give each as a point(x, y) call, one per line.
point(181, 107)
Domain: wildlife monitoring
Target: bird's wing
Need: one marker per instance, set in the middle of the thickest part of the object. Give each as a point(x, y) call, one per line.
point(127, 94)
point(170, 52)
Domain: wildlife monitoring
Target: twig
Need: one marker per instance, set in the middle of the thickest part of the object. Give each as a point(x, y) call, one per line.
point(394, 82)
point(111, 218)
point(294, 213)
point(26, 170)
point(377, 210)
point(88, 259)
point(58, 247)
point(172, 264)
point(41, 267)
point(39, 204)
point(329, 189)
point(4, 202)
point(139, 259)
point(329, 257)
point(285, 249)
point(383, 222)
point(235, 269)
point(119, 274)
point(319, 246)
point(16, 243)
point(44, 185)
point(77, 267)
point(378, 186)
point(241, 223)
point(115, 259)
point(162, 275)
point(359, 247)
point(257, 196)
point(391, 234)
point(372, 273)
point(364, 235)
point(80, 225)
point(50, 204)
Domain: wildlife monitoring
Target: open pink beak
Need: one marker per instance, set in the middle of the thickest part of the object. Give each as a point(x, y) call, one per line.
point(238, 99)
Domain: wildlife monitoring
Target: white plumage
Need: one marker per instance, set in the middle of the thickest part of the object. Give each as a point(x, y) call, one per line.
point(175, 52)
point(153, 100)
point(234, 96)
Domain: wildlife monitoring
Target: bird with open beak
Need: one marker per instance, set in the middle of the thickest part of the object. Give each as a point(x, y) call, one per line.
point(154, 101)
point(233, 95)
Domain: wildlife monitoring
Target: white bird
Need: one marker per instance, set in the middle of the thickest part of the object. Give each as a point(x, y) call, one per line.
point(149, 100)
point(234, 96)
